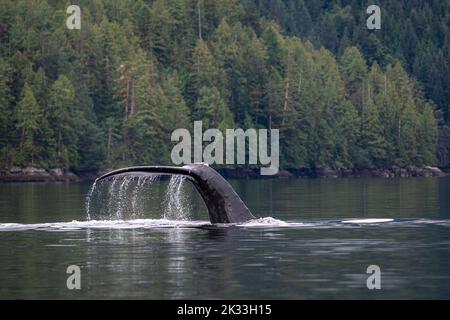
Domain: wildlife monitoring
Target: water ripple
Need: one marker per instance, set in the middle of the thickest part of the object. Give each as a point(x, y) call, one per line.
point(266, 223)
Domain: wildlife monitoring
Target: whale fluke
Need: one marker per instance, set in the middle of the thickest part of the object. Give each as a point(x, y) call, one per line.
point(223, 203)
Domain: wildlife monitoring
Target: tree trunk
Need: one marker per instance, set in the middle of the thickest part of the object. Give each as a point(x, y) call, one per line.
point(133, 100)
point(108, 147)
point(59, 144)
point(126, 98)
point(286, 98)
point(286, 87)
point(199, 22)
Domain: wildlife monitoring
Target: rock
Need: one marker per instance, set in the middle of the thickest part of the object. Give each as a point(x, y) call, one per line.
point(418, 172)
point(34, 171)
point(403, 173)
point(15, 170)
point(395, 171)
point(434, 171)
point(31, 174)
point(56, 172)
point(413, 170)
point(365, 173)
point(399, 172)
point(381, 173)
point(70, 176)
point(426, 173)
point(347, 173)
point(284, 174)
point(327, 173)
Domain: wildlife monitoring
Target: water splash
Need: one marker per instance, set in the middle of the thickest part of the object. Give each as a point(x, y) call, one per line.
point(88, 201)
point(177, 206)
point(122, 202)
point(129, 197)
point(137, 207)
point(367, 221)
point(267, 223)
point(104, 225)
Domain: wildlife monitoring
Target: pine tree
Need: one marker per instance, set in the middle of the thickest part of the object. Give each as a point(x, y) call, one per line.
point(28, 117)
point(212, 110)
point(141, 68)
point(371, 141)
point(354, 71)
point(177, 114)
point(426, 136)
point(255, 72)
point(5, 112)
point(159, 33)
point(273, 41)
point(203, 69)
point(60, 112)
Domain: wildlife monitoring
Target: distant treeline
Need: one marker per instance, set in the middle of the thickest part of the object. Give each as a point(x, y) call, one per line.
point(111, 93)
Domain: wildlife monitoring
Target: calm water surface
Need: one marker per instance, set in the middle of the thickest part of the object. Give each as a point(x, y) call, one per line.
point(312, 253)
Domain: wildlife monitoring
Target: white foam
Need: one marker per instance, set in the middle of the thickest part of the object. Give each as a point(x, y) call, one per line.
point(367, 221)
point(140, 224)
point(267, 222)
point(103, 224)
point(270, 222)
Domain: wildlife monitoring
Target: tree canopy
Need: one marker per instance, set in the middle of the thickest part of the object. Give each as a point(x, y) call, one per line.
point(111, 93)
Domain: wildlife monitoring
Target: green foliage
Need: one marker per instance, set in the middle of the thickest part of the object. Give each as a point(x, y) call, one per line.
point(414, 32)
point(212, 109)
point(111, 93)
point(60, 112)
point(5, 101)
point(35, 136)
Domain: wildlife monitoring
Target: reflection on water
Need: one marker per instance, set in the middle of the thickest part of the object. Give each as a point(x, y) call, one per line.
point(321, 250)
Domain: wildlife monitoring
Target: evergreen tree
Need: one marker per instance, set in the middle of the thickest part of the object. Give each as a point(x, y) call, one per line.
point(212, 110)
point(111, 93)
point(60, 112)
point(426, 136)
point(160, 30)
point(5, 112)
point(203, 70)
point(354, 70)
point(177, 113)
point(30, 124)
point(371, 142)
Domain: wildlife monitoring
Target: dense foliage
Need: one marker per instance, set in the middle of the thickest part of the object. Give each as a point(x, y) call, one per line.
point(414, 32)
point(111, 93)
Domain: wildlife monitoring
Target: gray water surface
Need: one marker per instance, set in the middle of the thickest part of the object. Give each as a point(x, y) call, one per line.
point(311, 247)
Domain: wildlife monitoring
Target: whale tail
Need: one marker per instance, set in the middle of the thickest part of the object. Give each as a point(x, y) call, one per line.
point(222, 202)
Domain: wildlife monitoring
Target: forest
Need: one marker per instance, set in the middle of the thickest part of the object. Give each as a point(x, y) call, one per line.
point(111, 93)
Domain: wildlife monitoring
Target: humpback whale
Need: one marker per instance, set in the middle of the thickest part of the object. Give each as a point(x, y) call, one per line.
point(222, 202)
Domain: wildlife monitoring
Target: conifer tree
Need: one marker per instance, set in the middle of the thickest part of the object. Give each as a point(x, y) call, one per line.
point(28, 118)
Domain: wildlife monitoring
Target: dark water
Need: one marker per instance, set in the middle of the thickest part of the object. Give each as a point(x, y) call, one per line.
point(315, 255)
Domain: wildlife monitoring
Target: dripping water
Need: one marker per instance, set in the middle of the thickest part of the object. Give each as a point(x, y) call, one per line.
point(137, 207)
point(177, 205)
point(136, 196)
point(88, 201)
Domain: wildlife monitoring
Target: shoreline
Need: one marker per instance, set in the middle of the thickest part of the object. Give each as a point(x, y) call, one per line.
point(20, 175)
point(329, 173)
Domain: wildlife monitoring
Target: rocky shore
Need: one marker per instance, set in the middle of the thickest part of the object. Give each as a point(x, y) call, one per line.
point(393, 172)
point(30, 174)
